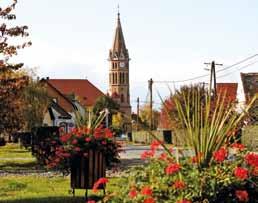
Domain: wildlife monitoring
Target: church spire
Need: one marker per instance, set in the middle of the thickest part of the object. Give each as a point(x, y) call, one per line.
point(119, 48)
point(119, 81)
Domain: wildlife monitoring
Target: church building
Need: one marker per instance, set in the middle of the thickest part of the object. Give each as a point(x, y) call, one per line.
point(119, 87)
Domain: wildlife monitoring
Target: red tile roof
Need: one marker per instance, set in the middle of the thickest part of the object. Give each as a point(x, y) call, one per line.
point(86, 92)
point(230, 89)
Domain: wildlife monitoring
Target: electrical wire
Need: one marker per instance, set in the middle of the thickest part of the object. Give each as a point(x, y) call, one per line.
point(201, 76)
point(238, 69)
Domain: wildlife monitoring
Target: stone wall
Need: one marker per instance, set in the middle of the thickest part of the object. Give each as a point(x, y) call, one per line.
point(250, 137)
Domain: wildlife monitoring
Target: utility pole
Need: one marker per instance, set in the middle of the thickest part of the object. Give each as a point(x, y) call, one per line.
point(213, 76)
point(138, 109)
point(150, 89)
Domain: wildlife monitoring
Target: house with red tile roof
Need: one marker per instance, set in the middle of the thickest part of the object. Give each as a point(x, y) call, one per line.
point(68, 96)
point(84, 91)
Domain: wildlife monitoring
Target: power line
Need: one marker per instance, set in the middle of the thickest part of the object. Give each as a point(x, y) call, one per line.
point(146, 102)
point(244, 60)
point(238, 69)
point(201, 76)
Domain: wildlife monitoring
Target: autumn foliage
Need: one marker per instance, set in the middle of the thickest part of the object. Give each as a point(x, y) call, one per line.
point(11, 82)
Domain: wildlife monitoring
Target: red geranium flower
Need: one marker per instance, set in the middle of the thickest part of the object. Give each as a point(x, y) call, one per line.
point(252, 159)
point(197, 158)
point(133, 193)
point(98, 132)
point(77, 149)
point(163, 156)
point(238, 146)
point(220, 155)
point(179, 184)
point(66, 155)
point(255, 171)
point(242, 195)
point(146, 190)
point(172, 168)
point(147, 154)
point(108, 133)
point(241, 173)
point(64, 138)
point(98, 183)
point(91, 201)
point(154, 145)
point(87, 139)
point(74, 142)
point(184, 201)
point(149, 200)
point(79, 135)
point(86, 130)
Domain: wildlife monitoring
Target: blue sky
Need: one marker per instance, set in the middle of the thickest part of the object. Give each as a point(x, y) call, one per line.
point(167, 40)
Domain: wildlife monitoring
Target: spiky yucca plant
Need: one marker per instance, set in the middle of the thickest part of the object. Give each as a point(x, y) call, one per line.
point(89, 120)
point(208, 123)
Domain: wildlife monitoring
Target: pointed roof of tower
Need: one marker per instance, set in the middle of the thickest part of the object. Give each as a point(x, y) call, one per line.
point(119, 46)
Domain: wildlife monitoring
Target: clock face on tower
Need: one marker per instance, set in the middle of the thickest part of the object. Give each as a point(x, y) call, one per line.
point(122, 64)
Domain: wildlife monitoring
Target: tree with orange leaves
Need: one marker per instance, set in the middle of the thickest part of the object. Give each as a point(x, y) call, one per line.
point(11, 82)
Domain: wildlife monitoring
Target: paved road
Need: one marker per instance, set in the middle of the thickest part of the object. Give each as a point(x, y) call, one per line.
point(133, 151)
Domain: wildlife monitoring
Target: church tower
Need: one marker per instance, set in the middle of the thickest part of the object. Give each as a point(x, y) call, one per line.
point(119, 71)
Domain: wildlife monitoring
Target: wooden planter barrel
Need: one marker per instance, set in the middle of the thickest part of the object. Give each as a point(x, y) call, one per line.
point(85, 171)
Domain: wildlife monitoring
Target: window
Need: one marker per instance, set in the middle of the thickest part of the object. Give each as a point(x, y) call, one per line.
point(122, 98)
point(120, 78)
point(115, 78)
point(63, 126)
point(123, 78)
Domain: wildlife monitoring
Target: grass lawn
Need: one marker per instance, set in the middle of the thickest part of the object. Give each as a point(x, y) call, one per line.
point(12, 150)
point(36, 188)
point(28, 189)
point(14, 158)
